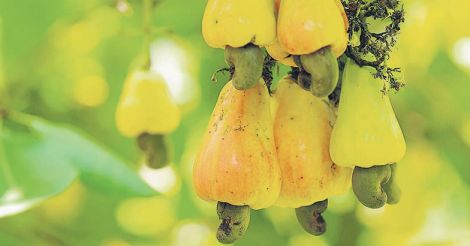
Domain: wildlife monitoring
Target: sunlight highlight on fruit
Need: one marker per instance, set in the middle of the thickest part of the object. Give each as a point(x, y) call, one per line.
point(175, 64)
point(163, 180)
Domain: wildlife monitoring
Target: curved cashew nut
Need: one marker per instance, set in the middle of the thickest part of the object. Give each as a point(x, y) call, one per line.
point(235, 221)
point(310, 217)
point(368, 185)
point(247, 63)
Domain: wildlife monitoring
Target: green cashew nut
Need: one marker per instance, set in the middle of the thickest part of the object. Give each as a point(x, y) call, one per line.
point(310, 217)
point(304, 80)
point(322, 66)
point(155, 150)
point(391, 187)
point(368, 185)
point(247, 63)
point(235, 221)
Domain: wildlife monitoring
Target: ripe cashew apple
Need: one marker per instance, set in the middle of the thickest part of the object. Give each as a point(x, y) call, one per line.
point(236, 23)
point(366, 132)
point(237, 163)
point(311, 34)
point(240, 27)
point(367, 135)
point(305, 26)
point(302, 136)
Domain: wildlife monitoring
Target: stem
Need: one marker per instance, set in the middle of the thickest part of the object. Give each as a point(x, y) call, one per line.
point(3, 94)
point(18, 117)
point(4, 164)
point(147, 28)
point(375, 48)
point(1, 56)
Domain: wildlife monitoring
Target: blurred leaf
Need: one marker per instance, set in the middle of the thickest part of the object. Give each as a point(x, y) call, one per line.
point(261, 231)
point(98, 168)
point(31, 171)
point(450, 145)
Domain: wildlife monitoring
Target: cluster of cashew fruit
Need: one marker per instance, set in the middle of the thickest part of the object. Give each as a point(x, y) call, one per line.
point(144, 99)
point(263, 150)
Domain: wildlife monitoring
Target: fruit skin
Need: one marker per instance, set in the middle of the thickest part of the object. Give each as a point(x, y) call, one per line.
point(305, 26)
point(145, 106)
point(366, 132)
point(237, 23)
point(237, 163)
point(275, 51)
point(302, 134)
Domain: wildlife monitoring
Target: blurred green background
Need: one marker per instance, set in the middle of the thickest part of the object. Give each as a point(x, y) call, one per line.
point(70, 178)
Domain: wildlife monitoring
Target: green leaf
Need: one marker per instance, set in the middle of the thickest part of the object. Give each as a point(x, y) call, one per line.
point(31, 172)
point(97, 167)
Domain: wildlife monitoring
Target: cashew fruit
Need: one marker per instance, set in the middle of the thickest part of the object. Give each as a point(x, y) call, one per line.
point(368, 185)
point(366, 132)
point(391, 187)
point(305, 26)
point(302, 136)
point(155, 150)
point(237, 163)
point(278, 53)
point(234, 222)
point(236, 23)
point(319, 72)
point(311, 219)
point(247, 63)
point(145, 106)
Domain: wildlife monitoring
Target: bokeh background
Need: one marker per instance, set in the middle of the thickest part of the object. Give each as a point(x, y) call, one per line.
point(75, 180)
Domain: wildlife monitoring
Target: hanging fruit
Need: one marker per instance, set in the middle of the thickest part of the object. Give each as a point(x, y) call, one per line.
point(313, 33)
point(275, 50)
point(237, 165)
point(296, 160)
point(146, 111)
point(367, 135)
point(240, 27)
point(302, 136)
point(145, 106)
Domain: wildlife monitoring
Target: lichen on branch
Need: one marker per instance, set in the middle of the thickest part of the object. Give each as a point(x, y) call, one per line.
point(368, 47)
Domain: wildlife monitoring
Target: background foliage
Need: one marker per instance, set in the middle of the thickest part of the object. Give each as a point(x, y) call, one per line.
point(77, 181)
